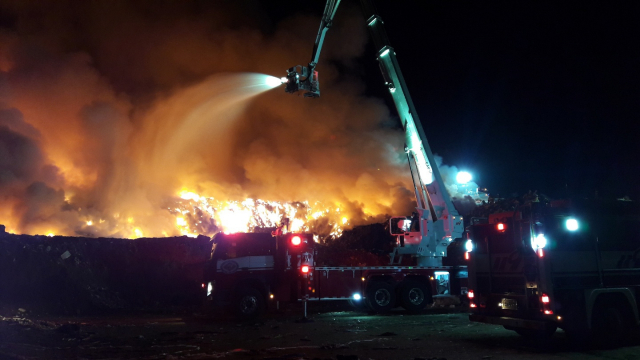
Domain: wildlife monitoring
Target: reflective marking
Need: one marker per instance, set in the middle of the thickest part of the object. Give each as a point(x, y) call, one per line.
point(245, 263)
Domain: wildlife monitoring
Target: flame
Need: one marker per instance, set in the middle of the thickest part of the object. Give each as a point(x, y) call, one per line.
point(235, 219)
point(197, 214)
point(188, 195)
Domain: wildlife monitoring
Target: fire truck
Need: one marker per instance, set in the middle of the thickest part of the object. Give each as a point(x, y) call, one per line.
point(573, 265)
point(249, 271)
point(246, 270)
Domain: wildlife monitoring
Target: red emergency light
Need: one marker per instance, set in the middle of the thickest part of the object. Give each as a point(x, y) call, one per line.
point(304, 269)
point(470, 294)
point(501, 227)
point(296, 240)
point(546, 304)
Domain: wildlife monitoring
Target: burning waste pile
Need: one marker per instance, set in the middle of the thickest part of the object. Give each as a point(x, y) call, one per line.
point(121, 139)
point(163, 140)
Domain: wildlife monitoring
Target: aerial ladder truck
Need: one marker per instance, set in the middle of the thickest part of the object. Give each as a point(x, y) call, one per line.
point(249, 271)
point(438, 222)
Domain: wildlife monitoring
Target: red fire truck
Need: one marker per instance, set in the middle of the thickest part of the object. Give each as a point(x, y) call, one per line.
point(571, 265)
point(248, 270)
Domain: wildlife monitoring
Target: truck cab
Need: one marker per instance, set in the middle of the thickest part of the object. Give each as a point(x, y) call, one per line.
point(246, 270)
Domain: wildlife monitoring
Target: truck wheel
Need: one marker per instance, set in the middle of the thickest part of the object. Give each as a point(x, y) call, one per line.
point(381, 297)
point(414, 296)
point(609, 326)
point(249, 303)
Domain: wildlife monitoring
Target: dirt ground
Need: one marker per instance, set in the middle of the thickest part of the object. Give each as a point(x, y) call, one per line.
point(333, 332)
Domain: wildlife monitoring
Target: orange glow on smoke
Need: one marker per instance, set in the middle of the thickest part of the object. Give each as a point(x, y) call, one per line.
point(180, 131)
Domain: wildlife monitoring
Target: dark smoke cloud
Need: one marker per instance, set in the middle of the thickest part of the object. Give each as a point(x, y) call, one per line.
point(20, 157)
point(110, 108)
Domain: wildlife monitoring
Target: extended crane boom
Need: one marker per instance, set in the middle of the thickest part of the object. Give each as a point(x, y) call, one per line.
point(305, 79)
point(438, 220)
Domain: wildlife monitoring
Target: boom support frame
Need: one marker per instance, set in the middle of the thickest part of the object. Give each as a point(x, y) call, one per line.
point(439, 221)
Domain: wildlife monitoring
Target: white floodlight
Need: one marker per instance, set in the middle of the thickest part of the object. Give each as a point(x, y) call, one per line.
point(469, 245)
point(538, 242)
point(463, 177)
point(572, 224)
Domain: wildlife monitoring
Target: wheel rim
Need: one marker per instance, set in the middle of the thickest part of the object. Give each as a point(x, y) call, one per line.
point(248, 304)
point(382, 297)
point(416, 296)
point(612, 322)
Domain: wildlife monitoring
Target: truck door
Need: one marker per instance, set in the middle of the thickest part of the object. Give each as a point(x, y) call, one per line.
point(295, 263)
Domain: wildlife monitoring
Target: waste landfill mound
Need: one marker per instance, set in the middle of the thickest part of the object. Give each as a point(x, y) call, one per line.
point(77, 275)
point(80, 275)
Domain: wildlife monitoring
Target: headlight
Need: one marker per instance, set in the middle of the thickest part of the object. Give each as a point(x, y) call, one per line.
point(209, 288)
point(571, 224)
point(468, 245)
point(538, 242)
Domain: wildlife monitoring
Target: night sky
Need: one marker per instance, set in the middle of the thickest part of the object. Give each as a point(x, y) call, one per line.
point(528, 95)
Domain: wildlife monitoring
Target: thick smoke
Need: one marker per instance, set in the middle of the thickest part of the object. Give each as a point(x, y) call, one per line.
point(109, 109)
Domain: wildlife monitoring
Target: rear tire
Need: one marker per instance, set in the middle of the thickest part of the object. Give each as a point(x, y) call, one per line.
point(610, 326)
point(414, 296)
point(249, 303)
point(381, 297)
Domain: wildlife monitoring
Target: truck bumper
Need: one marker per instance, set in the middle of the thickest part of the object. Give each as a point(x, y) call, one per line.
point(510, 322)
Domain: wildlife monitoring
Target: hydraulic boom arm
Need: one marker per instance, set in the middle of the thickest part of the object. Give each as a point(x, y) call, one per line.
point(306, 78)
point(433, 201)
point(439, 221)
